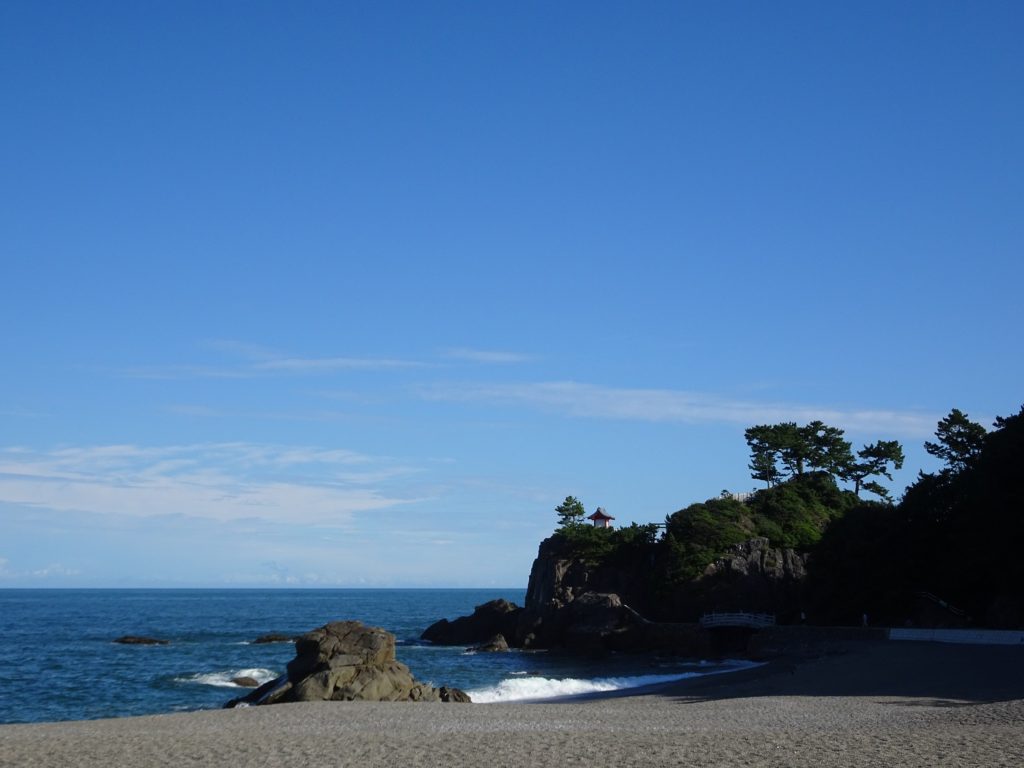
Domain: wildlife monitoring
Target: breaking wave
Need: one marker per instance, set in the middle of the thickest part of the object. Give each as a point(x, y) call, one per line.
point(533, 688)
point(224, 679)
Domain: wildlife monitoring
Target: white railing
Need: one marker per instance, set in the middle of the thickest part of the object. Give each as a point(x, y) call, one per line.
point(737, 619)
point(966, 636)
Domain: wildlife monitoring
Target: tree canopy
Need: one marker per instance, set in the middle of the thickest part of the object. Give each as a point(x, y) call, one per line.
point(570, 512)
point(874, 461)
point(785, 450)
point(959, 441)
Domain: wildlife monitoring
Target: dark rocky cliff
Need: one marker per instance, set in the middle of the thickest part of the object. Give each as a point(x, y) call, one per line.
point(751, 576)
point(572, 603)
point(568, 599)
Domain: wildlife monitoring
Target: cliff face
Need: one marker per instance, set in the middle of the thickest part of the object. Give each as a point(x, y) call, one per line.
point(557, 578)
point(571, 603)
point(751, 576)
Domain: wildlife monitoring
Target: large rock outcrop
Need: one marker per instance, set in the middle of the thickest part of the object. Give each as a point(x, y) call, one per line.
point(582, 606)
point(558, 577)
point(497, 617)
point(346, 661)
point(750, 576)
point(579, 606)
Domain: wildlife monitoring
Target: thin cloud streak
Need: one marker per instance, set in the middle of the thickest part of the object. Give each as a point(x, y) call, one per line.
point(50, 571)
point(321, 364)
point(222, 482)
point(665, 405)
point(247, 361)
point(486, 356)
point(254, 361)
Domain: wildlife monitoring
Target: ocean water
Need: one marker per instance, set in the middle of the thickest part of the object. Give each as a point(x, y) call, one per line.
point(58, 660)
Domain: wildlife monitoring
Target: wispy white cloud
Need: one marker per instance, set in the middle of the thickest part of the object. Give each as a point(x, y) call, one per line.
point(323, 364)
point(279, 367)
point(318, 416)
point(53, 570)
point(50, 571)
point(246, 361)
point(668, 405)
point(186, 371)
point(486, 356)
point(222, 481)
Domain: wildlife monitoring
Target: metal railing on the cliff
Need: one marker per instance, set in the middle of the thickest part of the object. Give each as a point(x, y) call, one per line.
point(737, 619)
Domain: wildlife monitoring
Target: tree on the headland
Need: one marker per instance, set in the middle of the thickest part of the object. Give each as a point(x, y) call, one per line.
point(764, 453)
point(874, 461)
point(826, 448)
point(792, 449)
point(570, 512)
point(960, 441)
point(814, 446)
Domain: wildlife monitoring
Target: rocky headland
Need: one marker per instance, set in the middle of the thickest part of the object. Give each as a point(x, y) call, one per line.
point(578, 605)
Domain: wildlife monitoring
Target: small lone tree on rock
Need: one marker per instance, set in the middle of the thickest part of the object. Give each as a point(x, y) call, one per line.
point(570, 512)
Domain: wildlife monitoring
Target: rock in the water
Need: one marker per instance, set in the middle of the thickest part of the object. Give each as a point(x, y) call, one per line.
point(495, 645)
point(140, 640)
point(246, 682)
point(453, 695)
point(273, 637)
point(347, 661)
point(497, 617)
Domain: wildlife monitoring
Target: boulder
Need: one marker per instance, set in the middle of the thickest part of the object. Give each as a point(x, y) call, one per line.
point(246, 682)
point(495, 645)
point(497, 617)
point(346, 661)
point(453, 695)
point(140, 640)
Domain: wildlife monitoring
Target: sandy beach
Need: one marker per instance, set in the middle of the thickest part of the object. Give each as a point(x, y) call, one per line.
point(887, 703)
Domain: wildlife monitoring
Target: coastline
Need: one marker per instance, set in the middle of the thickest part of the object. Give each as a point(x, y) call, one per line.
point(917, 704)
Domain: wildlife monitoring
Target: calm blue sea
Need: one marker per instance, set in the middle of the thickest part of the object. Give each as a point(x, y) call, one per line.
point(58, 660)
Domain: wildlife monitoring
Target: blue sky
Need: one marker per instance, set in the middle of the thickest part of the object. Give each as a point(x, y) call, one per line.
point(341, 294)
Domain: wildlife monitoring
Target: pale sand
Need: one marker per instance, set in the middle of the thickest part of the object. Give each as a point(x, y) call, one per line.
point(887, 704)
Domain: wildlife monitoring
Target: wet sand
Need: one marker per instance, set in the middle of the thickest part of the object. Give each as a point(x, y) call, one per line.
point(889, 703)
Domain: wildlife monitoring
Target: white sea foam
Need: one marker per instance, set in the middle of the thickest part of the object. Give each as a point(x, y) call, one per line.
point(223, 679)
point(531, 688)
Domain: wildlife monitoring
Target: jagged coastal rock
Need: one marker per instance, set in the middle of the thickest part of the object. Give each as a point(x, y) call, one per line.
point(496, 644)
point(346, 661)
point(497, 617)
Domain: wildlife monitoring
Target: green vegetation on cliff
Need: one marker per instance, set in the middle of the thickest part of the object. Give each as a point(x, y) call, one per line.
point(793, 514)
point(954, 534)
